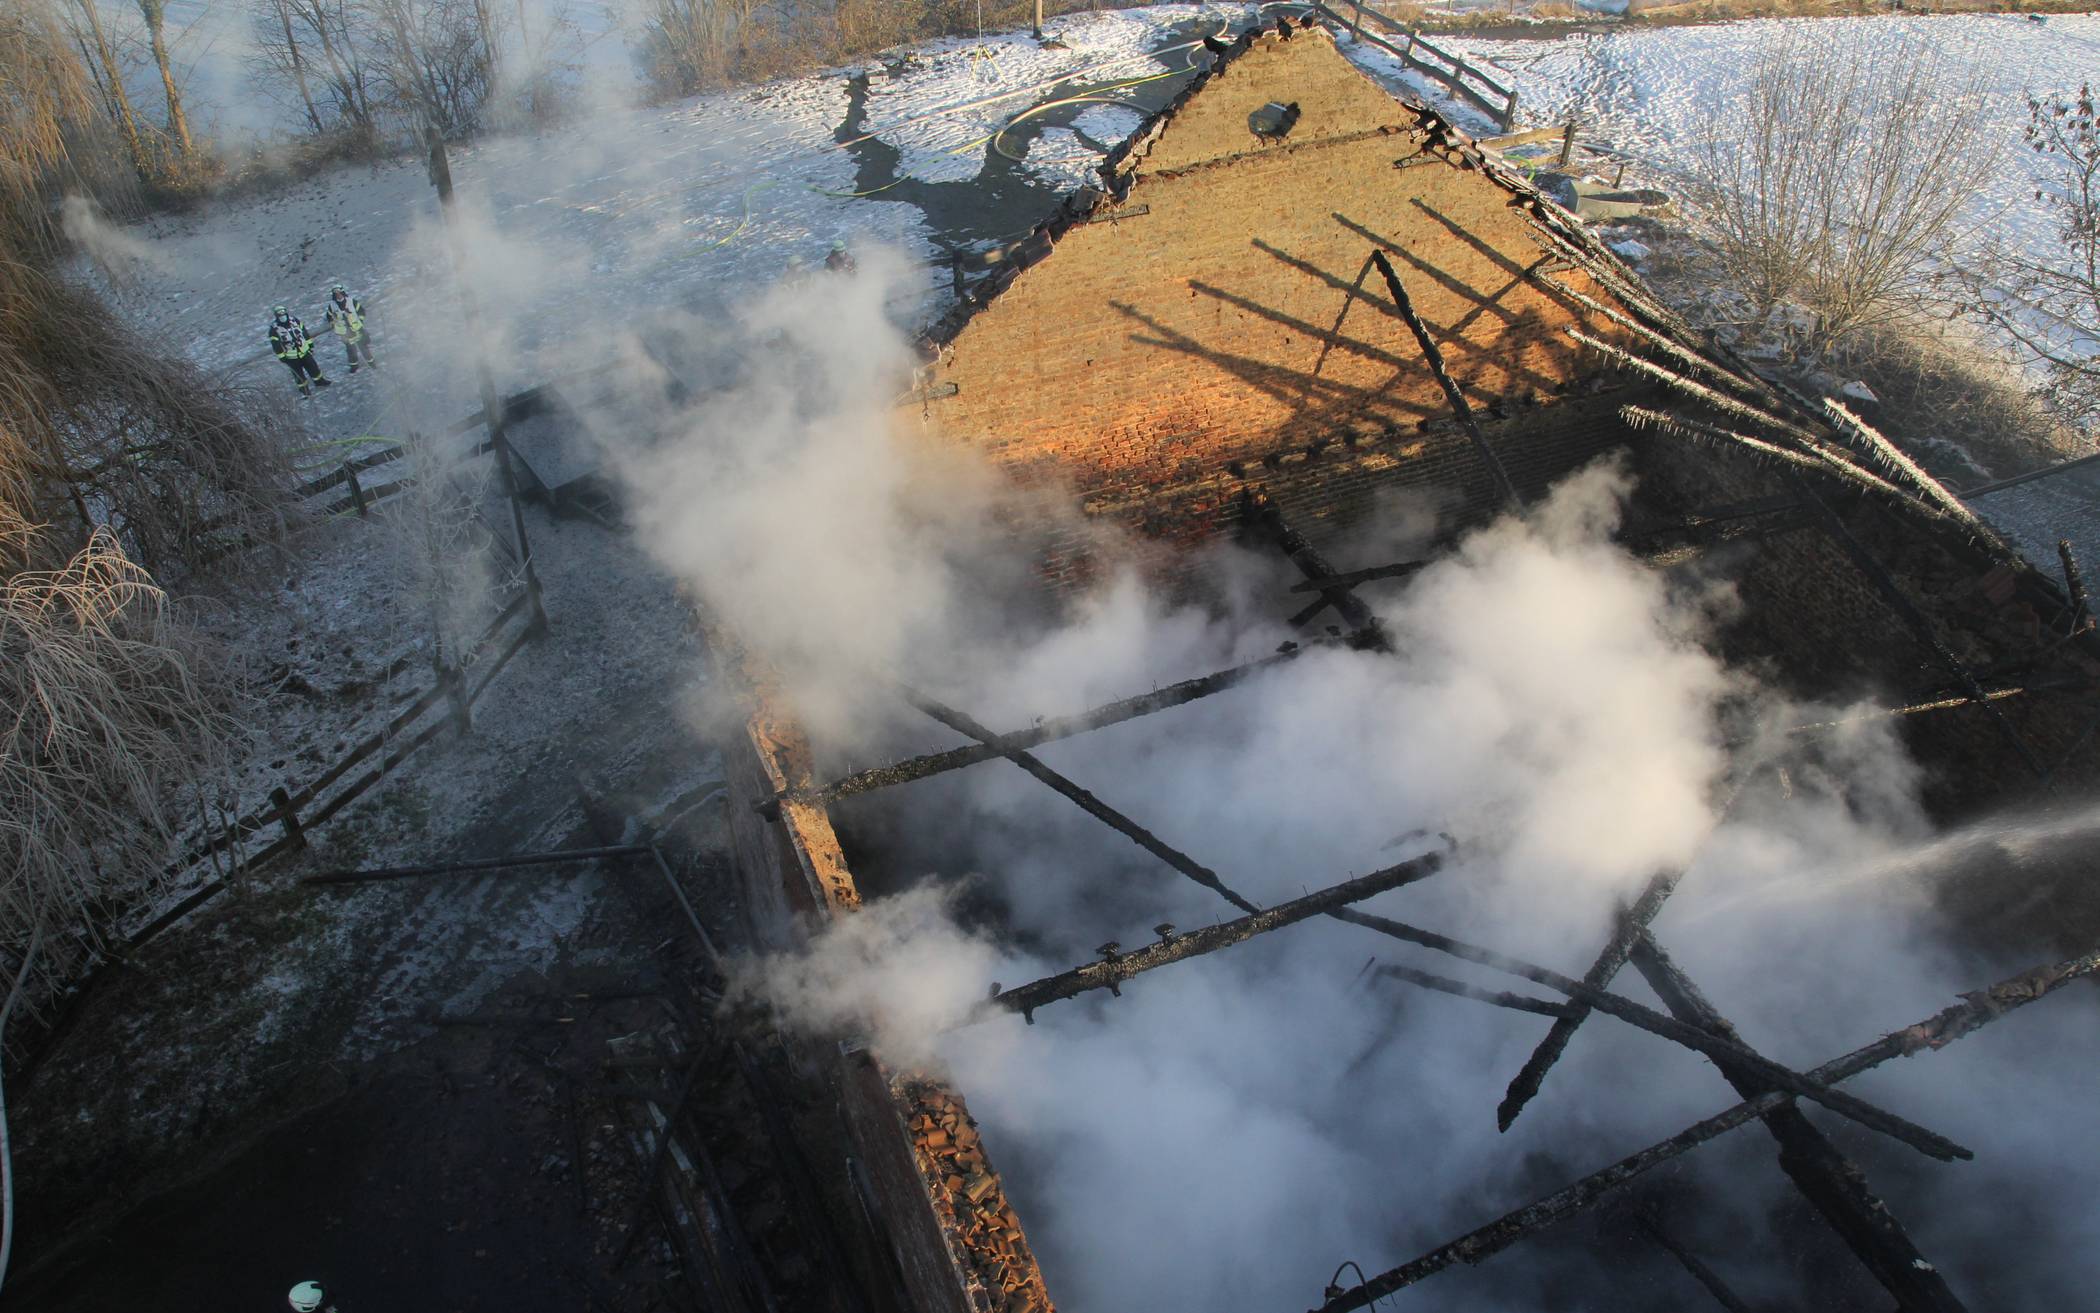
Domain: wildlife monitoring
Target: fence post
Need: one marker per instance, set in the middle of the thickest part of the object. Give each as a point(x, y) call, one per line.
point(1509, 114)
point(288, 817)
point(357, 490)
point(454, 682)
point(1356, 29)
point(1567, 145)
point(1038, 20)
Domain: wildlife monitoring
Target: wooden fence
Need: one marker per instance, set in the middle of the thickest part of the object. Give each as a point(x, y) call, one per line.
point(451, 697)
point(1467, 81)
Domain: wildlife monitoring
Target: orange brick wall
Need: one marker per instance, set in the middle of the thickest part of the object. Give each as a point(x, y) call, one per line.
point(1237, 318)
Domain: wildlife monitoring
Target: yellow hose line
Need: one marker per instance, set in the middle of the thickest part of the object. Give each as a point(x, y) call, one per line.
point(738, 231)
point(998, 138)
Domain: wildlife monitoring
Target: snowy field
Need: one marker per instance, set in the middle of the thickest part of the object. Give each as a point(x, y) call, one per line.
point(1652, 93)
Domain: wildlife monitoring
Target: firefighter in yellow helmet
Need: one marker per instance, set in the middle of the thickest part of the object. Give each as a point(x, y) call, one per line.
point(346, 315)
point(288, 340)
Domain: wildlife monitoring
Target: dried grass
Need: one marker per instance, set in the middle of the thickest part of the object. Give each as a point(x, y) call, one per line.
point(108, 725)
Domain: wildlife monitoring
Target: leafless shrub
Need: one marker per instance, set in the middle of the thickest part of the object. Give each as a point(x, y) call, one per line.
point(113, 434)
point(108, 727)
point(2050, 304)
point(1834, 182)
point(449, 552)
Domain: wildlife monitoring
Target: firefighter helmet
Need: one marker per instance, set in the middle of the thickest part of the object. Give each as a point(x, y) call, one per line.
point(306, 1296)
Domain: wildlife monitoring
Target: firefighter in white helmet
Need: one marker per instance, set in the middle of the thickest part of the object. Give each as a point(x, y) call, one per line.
point(306, 1297)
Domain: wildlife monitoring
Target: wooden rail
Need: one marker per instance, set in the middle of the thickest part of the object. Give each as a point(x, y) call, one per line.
point(1468, 81)
point(296, 813)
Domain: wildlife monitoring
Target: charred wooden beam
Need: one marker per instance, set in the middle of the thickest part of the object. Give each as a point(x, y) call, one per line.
point(1085, 801)
point(1351, 578)
point(1524, 1086)
point(1262, 512)
point(1721, 401)
point(1845, 1105)
point(1976, 1010)
point(1058, 727)
point(1708, 1279)
point(1433, 356)
point(1894, 460)
point(2074, 585)
point(1830, 1182)
point(1460, 989)
point(1116, 967)
point(1629, 928)
point(1634, 1014)
point(1939, 704)
point(1914, 619)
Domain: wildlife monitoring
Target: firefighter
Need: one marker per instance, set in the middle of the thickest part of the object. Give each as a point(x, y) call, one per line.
point(289, 340)
point(841, 260)
point(346, 315)
point(306, 1297)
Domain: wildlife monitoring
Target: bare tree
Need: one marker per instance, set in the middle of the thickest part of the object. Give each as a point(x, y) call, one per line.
point(277, 18)
point(2050, 304)
point(155, 12)
point(1835, 180)
point(110, 83)
point(434, 61)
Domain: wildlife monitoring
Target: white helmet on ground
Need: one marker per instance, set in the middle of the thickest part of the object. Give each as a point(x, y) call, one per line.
point(306, 1296)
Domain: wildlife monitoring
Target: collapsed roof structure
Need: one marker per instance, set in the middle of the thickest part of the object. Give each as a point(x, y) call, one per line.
point(1292, 295)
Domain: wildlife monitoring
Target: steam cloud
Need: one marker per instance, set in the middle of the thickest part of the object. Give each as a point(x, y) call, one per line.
point(1228, 1130)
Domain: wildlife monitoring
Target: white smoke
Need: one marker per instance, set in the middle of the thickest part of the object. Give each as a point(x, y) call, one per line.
point(1231, 1128)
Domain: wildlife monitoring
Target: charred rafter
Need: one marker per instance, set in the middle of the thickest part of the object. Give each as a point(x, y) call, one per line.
point(1262, 513)
point(1709, 1280)
point(1914, 619)
point(1976, 1010)
point(1056, 727)
point(1460, 989)
point(1632, 1013)
point(1836, 1188)
point(1692, 1037)
point(1433, 356)
point(1115, 967)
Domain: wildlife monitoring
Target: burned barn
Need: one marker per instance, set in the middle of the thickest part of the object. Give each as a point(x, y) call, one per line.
point(1293, 303)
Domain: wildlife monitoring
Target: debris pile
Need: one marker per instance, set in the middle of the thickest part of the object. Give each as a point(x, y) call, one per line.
point(999, 1269)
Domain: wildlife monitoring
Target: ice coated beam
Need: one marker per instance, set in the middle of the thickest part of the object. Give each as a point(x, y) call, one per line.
point(1973, 1012)
point(1825, 1177)
point(1111, 971)
point(1720, 1050)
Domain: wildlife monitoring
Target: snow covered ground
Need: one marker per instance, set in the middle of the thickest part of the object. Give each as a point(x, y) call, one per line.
point(1653, 92)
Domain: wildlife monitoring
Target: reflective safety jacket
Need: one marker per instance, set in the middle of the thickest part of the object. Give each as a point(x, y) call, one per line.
point(289, 339)
point(347, 318)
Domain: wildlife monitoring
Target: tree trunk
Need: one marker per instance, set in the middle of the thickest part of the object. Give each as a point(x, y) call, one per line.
point(119, 99)
point(155, 12)
point(291, 49)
